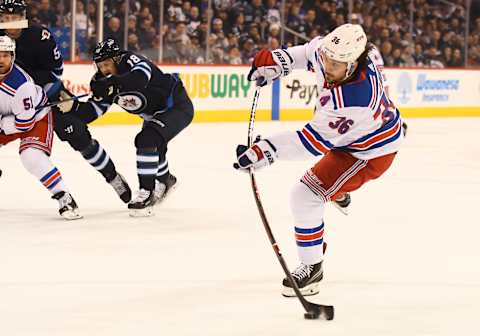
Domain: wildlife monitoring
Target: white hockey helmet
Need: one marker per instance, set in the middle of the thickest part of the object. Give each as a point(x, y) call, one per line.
point(345, 44)
point(7, 44)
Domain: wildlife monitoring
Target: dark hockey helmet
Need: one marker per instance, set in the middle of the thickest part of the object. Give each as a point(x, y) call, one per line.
point(13, 14)
point(106, 49)
point(13, 7)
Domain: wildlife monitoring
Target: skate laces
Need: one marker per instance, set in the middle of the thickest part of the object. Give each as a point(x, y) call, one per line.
point(302, 271)
point(141, 196)
point(118, 184)
point(65, 200)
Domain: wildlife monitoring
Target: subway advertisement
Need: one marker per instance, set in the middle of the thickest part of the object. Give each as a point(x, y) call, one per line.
point(223, 93)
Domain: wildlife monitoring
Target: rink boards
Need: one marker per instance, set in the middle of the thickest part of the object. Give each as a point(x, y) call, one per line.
point(223, 93)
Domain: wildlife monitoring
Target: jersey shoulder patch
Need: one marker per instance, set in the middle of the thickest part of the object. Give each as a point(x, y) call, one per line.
point(39, 33)
point(16, 78)
point(362, 92)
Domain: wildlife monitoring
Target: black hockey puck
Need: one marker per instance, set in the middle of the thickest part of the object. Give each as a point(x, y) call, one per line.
point(311, 315)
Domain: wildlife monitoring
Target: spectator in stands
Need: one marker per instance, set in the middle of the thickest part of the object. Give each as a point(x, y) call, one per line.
point(113, 30)
point(418, 55)
point(254, 12)
point(239, 27)
point(407, 57)
point(248, 51)
point(386, 50)
point(133, 43)
point(457, 59)
point(193, 19)
point(272, 12)
point(396, 58)
point(447, 56)
point(440, 24)
point(147, 32)
point(433, 57)
point(234, 56)
point(46, 16)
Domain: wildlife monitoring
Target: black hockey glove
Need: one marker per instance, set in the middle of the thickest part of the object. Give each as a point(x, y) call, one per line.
point(261, 154)
point(103, 87)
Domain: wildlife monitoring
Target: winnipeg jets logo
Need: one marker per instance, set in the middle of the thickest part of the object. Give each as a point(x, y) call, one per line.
point(129, 103)
point(132, 102)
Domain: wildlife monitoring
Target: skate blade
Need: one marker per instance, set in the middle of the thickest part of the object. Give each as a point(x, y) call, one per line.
point(71, 215)
point(147, 212)
point(306, 291)
point(342, 210)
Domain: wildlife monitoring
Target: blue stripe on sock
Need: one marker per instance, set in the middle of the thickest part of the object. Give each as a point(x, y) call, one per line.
point(310, 243)
point(306, 231)
point(48, 175)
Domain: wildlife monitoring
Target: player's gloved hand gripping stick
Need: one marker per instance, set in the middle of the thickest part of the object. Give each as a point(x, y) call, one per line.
point(65, 100)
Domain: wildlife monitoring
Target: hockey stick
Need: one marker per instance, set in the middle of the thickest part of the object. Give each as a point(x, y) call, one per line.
point(62, 101)
point(313, 310)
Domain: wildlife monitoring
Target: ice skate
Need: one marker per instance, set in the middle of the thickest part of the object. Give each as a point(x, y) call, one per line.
point(141, 205)
point(307, 278)
point(68, 208)
point(121, 187)
point(162, 190)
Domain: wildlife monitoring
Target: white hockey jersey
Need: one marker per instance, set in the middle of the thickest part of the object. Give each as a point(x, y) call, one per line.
point(357, 117)
point(19, 99)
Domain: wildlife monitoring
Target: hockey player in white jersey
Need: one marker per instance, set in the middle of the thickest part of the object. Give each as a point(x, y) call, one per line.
point(356, 131)
point(20, 119)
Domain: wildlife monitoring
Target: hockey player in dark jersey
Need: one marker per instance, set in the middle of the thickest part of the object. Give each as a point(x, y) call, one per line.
point(38, 54)
point(138, 86)
point(36, 49)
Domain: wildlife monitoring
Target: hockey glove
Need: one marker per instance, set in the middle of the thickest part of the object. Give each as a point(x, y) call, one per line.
point(103, 87)
point(69, 105)
point(261, 154)
point(270, 65)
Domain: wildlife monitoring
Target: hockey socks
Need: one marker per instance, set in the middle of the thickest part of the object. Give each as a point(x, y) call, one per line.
point(38, 164)
point(147, 167)
point(163, 172)
point(100, 160)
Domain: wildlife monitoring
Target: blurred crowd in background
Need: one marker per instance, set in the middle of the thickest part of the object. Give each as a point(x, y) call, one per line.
point(409, 33)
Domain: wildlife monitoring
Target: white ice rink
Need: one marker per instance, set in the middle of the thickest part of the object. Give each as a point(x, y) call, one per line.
point(406, 261)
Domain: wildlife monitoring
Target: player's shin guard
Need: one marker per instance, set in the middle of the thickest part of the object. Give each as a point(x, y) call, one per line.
point(147, 167)
point(38, 164)
point(163, 172)
point(165, 182)
point(308, 210)
point(99, 159)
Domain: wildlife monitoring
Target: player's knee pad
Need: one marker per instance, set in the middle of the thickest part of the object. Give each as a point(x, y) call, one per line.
point(148, 138)
point(73, 130)
point(305, 205)
point(33, 159)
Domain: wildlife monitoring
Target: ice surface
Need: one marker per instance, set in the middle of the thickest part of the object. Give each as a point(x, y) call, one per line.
point(404, 262)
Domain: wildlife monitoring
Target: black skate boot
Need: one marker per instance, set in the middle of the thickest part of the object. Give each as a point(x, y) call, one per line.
point(342, 203)
point(121, 188)
point(163, 189)
point(141, 205)
point(68, 208)
point(307, 278)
